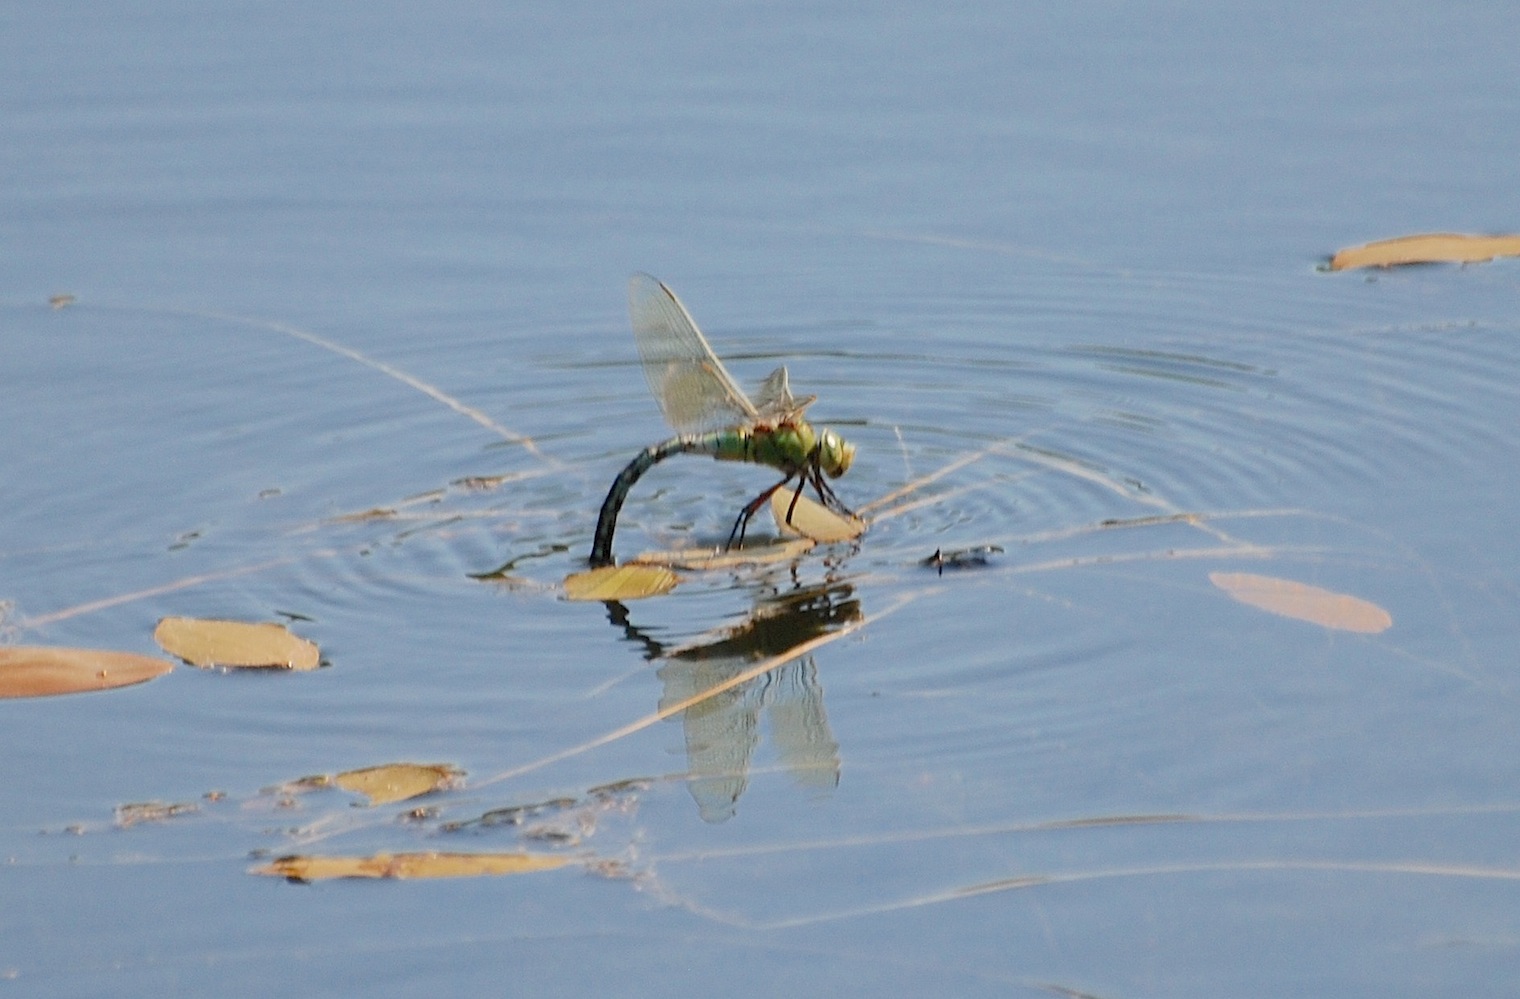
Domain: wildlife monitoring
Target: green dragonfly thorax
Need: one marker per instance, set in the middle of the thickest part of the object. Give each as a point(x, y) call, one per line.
point(789, 446)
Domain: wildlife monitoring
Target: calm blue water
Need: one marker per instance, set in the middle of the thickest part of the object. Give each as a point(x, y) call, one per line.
point(1077, 245)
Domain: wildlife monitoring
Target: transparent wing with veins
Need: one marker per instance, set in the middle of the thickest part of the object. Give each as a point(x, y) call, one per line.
point(695, 392)
point(775, 394)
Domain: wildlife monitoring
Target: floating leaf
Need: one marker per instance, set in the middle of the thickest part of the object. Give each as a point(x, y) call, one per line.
point(206, 643)
point(398, 781)
point(410, 865)
point(1304, 602)
point(812, 520)
point(38, 671)
point(632, 581)
point(699, 559)
point(1426, 248)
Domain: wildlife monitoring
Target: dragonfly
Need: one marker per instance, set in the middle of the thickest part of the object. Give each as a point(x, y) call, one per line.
point(712, 416)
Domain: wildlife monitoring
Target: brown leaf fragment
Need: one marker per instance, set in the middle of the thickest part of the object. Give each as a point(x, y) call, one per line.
point(631, 581)
point(813, 520)
point(365, 516)
point(1426, 248)
point(627, 787)
point(301, 785)
point(206, 643)
point(409, 865)
point(421, 813)
point(610, 868)
point(1304, 602)
point(511, 815)
point(480, 483)
point(40, 671)
point(138, 812)
point(393, 782)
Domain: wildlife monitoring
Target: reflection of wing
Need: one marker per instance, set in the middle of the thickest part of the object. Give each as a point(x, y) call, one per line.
point(721, 732)
point(722, 729)
point(800, 727)
point(774, 400)
point(693, 389)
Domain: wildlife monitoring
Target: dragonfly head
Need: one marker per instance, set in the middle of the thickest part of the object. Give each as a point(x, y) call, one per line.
point(834, 454)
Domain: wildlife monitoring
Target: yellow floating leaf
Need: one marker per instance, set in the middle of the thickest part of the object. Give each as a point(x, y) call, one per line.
point(1304, 602)
point(38, 671)
point(632, 581)
point(1431, 247)
point(813, 520)
point(410, 865)
point(398, 781)
point(699, 559)
point(206, 643)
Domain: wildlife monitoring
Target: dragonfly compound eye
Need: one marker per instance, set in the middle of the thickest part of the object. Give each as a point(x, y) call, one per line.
point(835, 454)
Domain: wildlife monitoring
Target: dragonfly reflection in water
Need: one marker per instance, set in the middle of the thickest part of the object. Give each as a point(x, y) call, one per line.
point(722, 732)
point(711, 415)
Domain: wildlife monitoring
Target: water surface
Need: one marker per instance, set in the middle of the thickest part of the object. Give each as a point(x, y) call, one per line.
point(1070, 255)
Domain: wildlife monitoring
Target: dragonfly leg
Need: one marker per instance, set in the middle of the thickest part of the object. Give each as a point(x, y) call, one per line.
point(814, 474)
point(750, 510)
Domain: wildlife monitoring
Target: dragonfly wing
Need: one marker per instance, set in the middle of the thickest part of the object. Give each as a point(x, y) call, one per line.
point(774, 399)
point(694, 390)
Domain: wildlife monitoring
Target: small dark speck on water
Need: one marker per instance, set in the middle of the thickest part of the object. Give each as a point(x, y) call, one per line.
point(961, 558)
